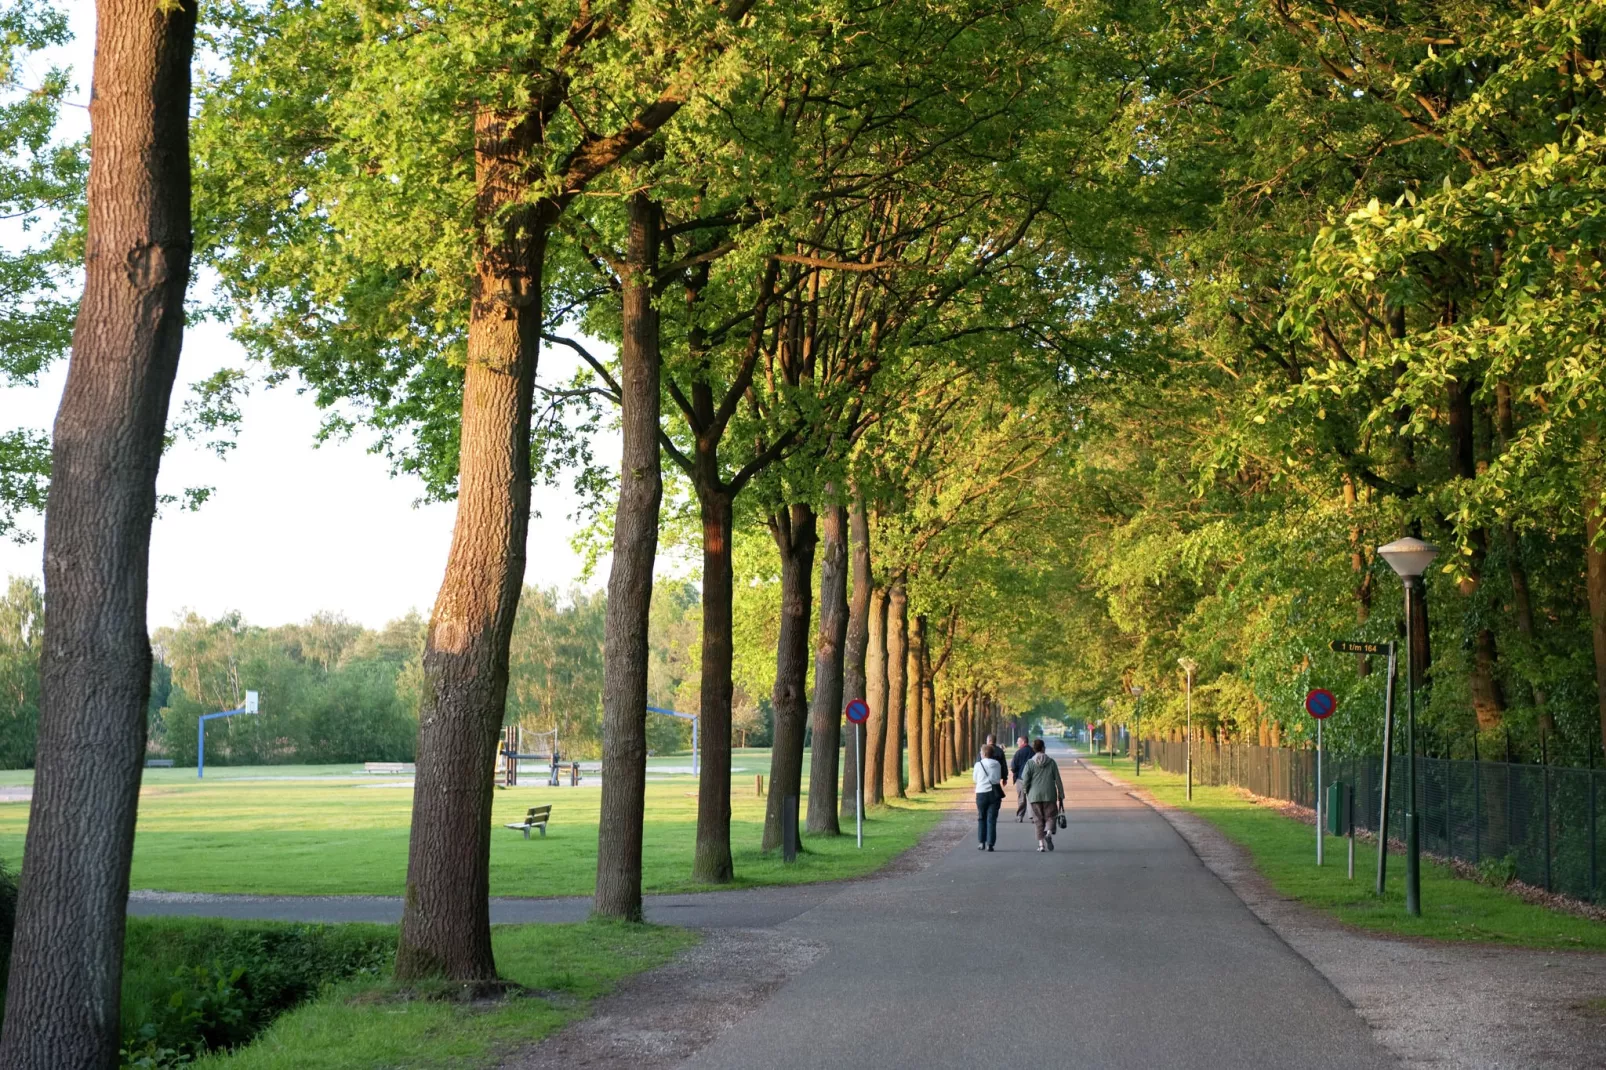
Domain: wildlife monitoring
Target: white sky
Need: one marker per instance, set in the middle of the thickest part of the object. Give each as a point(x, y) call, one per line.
point(290, 529)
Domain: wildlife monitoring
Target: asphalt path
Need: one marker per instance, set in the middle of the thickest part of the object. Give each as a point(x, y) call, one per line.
point(1119, 949)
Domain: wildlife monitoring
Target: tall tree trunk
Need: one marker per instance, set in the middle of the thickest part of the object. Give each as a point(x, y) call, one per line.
point(712, 860)
point(928, 708)
point(914, 707)
point(953, 735)
point(63, 1005)
point(857, 643)
point(1594, 570)
point(876, 693)
point(795, 535)
point(446, 923)
point(1521, 594)
point(897, 690)
point(1363, 576)
point(1488, 701)
point(825, 711)
point(635, 547)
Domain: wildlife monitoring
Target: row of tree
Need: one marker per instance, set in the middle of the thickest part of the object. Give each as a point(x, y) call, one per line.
point(1044, 346)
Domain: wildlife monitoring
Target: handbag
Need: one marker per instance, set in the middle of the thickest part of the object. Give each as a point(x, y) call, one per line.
point(1060, 819)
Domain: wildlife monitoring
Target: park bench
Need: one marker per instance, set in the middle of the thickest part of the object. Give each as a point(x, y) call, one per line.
point(535, 819)
point(158, 763)
point(387, 767)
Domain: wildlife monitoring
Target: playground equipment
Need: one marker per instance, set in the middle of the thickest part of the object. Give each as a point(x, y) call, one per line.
point(200, 730)
point(516, 747)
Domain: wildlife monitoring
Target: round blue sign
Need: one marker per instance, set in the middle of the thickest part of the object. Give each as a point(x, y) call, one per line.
point(858, 711)
point(1321, 703)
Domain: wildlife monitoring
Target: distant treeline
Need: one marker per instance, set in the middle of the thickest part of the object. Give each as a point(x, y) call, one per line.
point(333, 691)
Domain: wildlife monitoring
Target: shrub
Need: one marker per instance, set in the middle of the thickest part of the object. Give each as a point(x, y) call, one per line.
point(197, 985)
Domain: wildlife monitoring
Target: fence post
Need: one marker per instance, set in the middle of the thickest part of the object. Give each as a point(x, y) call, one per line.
point(1449, 807)
point(1544, 757)
point(1477, 803)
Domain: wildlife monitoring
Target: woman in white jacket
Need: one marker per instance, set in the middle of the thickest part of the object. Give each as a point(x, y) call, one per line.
point(988, 775)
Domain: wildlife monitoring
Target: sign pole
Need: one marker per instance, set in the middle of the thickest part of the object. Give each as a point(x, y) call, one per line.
point(858, 762)
point(1388, 768)
point(1320, 832)
point(1320, 704)
point(857, 712)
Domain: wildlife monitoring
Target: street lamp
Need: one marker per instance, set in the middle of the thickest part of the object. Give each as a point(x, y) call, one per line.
point(1410, 558)
point(1189, 667)
point(1137, 733)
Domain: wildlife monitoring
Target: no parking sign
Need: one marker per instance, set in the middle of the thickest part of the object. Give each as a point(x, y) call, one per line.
point(1321, 703)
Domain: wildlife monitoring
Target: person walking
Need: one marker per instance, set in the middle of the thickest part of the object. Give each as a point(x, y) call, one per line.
point(989, 776)
point(1017, 766)
point(991, 749)
point(1046, 793)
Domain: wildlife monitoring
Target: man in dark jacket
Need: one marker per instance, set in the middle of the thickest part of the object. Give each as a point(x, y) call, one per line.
point(991, 749)
point(1017, 767)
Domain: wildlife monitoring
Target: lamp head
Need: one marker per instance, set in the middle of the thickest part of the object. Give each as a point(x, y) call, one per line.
point(1188, 665)
point(1137, 690)
point(1409, 557)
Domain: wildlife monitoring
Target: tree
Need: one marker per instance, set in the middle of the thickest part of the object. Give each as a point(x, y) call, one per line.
point(63, 995)
point(553, 99)
point(635, 545)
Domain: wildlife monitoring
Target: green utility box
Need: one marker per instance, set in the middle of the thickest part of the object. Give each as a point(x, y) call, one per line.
point(1340, 809)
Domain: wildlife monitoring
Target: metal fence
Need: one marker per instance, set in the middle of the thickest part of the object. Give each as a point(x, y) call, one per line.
point(1544, 821)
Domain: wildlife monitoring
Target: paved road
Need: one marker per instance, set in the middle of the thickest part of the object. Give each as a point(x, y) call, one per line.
point(1117, 950)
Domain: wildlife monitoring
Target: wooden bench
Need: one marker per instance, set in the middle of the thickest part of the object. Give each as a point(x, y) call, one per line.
point(158, 763)
point(387, 768)
point(535, 819)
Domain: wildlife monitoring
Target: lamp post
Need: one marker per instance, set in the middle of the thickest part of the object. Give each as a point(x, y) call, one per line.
point(1137, 733)
point(1409, 558)
point(1189, 667)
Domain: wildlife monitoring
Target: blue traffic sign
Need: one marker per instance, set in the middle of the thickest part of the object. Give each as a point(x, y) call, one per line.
point(858, 711)
point(1321, 703)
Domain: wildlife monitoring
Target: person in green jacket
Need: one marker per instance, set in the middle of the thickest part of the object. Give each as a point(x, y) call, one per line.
point(1045, 791)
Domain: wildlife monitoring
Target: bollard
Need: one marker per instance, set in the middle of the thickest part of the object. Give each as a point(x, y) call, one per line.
point(789, 828)
point(758, 785)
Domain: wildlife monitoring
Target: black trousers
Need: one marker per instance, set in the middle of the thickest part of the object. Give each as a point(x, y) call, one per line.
point(987, 817)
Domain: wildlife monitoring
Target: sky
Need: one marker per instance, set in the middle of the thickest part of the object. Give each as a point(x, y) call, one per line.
point(291, 528)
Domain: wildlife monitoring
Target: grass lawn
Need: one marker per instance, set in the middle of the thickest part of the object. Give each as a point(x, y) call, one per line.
point(1284, 850)
point(363, 1023)
point(341, 835)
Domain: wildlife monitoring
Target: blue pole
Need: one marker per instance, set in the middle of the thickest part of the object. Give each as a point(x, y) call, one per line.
point(694, 751)
point(200, 747)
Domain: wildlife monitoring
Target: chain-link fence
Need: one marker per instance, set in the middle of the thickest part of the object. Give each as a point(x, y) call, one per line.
point(1544, 822)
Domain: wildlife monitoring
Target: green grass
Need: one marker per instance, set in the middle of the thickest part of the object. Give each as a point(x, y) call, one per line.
point(369, 1024)
point(342, 836)
point(1284, 850)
